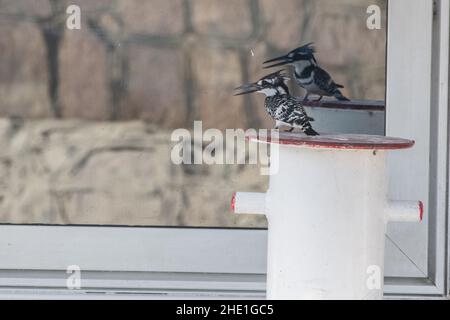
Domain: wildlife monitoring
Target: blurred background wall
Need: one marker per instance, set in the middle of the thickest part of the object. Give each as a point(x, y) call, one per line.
point(87, 114)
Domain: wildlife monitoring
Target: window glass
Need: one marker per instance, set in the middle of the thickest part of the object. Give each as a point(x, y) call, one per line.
point(93, 93)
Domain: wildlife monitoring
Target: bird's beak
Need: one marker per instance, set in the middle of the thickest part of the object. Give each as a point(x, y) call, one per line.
point(280, 61)
point(247, 88)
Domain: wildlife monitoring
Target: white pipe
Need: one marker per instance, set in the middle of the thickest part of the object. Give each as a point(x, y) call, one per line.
point(404, 211)
point(327, 211)
point(248, 203)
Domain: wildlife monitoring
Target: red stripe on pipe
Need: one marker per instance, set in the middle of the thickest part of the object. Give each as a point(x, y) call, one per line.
point(233, 202)
point(421, 210)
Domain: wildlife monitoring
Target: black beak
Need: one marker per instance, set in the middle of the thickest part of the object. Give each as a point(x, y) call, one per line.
point(282, 61)
point(247, 88)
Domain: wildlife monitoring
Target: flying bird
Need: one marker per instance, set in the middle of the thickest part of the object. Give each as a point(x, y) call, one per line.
point(280, 105)
point(308, 74)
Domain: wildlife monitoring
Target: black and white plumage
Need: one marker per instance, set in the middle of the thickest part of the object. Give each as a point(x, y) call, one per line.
point(308, 74)
point(282, 107)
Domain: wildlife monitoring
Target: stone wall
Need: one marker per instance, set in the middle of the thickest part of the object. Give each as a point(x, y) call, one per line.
point(88, 113)
point(172, 62)
point(74, 172)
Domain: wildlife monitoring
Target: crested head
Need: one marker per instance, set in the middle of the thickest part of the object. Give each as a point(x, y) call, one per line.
point(275, 78)
point(272, 84)
point(300, 54)
point(303, 53)
point(307, 49)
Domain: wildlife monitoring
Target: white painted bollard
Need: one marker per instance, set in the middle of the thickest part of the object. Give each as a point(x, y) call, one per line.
point(327, 212)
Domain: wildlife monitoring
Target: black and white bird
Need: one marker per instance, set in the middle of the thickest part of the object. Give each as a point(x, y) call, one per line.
point(282, 107)
point(308, 74)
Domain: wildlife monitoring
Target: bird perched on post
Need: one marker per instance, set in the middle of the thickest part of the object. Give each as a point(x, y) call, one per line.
point(308, 74)
point(282, 107)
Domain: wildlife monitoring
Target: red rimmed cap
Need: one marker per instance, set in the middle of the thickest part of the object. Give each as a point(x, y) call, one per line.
point(336, 141)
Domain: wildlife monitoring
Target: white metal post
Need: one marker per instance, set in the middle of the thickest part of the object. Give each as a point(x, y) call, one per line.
point(327, 212)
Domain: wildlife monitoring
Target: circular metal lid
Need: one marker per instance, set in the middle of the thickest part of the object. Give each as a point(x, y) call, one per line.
point(335, 141)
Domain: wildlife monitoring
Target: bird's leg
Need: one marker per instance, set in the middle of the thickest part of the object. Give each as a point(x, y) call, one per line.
point(320, 98)
point(306, 97)
point(278, 124)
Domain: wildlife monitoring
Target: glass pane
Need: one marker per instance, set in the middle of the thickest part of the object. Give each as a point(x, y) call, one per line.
point(93, 92)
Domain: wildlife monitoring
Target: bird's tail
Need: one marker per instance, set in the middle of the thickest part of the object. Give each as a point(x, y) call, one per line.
point(338, 95)
point(309, 131)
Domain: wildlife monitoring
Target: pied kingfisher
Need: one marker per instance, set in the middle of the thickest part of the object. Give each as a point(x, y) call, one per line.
point(283, 108)
point(308, 74)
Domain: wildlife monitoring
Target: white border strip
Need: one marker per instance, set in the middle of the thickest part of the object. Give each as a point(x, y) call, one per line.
point(133, 249)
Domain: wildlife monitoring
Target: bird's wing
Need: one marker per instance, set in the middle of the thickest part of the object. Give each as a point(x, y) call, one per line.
point(298, 106)
point(324, 80)
point(291, 111)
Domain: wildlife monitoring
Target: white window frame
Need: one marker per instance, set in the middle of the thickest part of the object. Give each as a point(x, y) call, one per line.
point(231, 263)
point(417, 107)
point(157, 261)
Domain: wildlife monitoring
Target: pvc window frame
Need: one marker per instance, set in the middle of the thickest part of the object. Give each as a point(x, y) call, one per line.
point(160, 263)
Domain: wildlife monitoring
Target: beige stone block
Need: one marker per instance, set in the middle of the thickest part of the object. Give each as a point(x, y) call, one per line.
point(155, 90)
point(23, 71)
point(83, 76)
point(35, 8)
point(159, 17)
point(231, 18)
point(217, 71)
